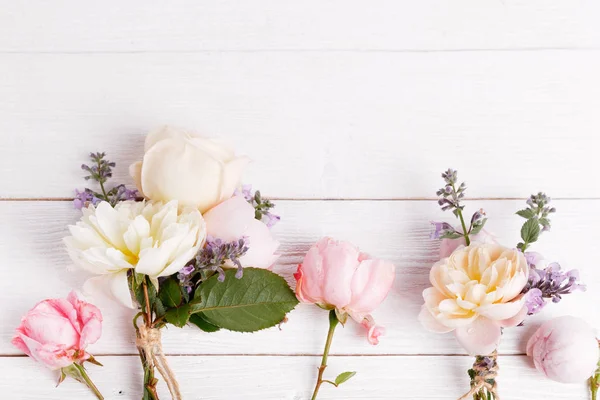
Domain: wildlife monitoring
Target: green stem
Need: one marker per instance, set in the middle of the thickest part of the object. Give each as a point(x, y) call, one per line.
point(333, 321)
point(462, 222)
point(595, 382)
point(88, 381)
point(150, 380)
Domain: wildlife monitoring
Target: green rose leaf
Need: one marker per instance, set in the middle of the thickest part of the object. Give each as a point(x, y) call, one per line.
point(530, 230)
point(179, 316)
point(343, 377)
point(259, 300)
point(199, 321)
point(170, 293)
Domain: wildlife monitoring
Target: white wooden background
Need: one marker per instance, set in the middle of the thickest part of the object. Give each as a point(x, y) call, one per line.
point(350, 110)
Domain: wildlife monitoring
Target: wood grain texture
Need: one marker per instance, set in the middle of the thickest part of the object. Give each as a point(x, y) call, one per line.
point(37, 265)
point(111, 26)
point(319, 125)
point(292, 378)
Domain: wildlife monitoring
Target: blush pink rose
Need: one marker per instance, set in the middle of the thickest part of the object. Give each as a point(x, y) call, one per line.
point(56, 331)
point(334, 274)
point(234, 219)
point(565, 349)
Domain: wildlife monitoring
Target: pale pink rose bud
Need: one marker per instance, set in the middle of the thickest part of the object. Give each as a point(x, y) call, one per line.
point(565, 349)
point(56, 331)
point(234, 219)
point(334, 274)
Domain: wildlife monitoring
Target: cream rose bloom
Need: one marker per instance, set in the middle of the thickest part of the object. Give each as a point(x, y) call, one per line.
point(476, 291)
point(153, 239)
point(193, 170)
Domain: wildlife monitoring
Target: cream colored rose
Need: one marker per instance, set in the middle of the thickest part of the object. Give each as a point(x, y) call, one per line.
point(153, 239)
point(193, 170)
point(476, 291)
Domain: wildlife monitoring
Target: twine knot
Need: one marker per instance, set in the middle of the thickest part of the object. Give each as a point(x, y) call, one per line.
point(149, 340)
point(483, 376)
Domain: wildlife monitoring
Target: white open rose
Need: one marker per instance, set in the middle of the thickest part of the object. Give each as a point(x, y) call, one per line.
point(193, 170)
point(476, 291)
point(153, 239)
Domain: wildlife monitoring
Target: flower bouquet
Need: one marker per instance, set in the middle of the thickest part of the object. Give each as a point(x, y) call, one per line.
point(194, 249)
point(480, 287)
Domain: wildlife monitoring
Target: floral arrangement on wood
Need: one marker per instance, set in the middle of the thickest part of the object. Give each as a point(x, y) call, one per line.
point(337, 277)
point(481, 287)
point(195, 248)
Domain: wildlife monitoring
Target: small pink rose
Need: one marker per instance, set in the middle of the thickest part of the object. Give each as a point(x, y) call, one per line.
point(234, 219)
point(565, 349)
point(56, 331)
point(334, 274)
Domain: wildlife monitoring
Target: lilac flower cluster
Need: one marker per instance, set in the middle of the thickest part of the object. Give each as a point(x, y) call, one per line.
point(548, 283)
point(261, 206)
point(210, 260)
point(85, 197)
point(100, 172)
point(449, 199)
point(449, 195)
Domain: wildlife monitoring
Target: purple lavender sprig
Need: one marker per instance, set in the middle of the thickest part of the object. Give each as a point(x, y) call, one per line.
point(450, 197)
point(550, 282)
point(261, 206)
point(210, 260)
point(537, 215)
point(101, 171)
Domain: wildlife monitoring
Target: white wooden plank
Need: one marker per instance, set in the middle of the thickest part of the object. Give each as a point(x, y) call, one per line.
point(70, 25)
point(290, 378)
point(35, 265)
point(319, 125)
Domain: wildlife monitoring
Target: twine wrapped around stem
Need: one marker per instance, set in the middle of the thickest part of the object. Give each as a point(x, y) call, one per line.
point(149, 341)
point(483, 376)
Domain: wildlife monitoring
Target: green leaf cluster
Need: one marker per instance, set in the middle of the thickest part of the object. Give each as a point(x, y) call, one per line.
point(259, 300)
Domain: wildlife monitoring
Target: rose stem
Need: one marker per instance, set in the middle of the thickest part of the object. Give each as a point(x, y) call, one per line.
point(595, 381)
point(333, 321)
point(149, 379)
point(88, 381)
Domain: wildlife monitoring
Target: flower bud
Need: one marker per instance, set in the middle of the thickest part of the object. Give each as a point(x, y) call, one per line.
point(565, 349)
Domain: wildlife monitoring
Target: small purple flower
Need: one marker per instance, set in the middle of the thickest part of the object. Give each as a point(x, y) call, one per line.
point(246, 192)
point(83, 198)
point(534, 301)
point(548, 283)
point(270, 219)
point(261, 206)
point(440, 228)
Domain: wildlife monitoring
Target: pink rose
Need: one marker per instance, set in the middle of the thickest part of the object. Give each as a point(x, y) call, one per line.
point(565, 349)
point(57, 331)
point(233, 219)
point(335, 275)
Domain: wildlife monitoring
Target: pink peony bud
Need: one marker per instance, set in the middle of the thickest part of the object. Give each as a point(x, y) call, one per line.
point(56, 331)
point(334, 274)
point(234, 219)
point(565, 349)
